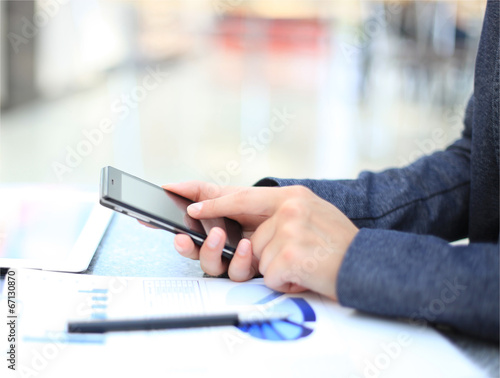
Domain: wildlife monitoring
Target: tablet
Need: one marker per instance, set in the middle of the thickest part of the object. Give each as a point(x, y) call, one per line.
point(50, 227)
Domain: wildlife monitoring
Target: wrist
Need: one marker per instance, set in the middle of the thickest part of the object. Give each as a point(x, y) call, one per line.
point(338, 260)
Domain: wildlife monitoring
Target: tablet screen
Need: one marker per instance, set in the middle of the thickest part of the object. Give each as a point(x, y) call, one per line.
point(40, 228)
point(49, 227)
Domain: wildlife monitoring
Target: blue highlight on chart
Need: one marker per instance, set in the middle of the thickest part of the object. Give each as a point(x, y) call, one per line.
point(298, 325)
point(98, 302)
point(94, 291)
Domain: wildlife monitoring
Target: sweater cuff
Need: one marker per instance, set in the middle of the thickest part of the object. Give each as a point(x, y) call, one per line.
point(394, 273)
point(389, 272)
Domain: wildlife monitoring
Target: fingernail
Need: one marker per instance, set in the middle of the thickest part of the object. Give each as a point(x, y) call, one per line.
point(178, 247)
point(213, 239)
point(194, 208)
point(243, 248)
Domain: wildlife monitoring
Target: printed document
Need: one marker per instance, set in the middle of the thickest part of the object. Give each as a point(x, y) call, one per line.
point(318, 339)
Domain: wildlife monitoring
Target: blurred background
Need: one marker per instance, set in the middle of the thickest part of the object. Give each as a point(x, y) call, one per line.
point(229, 91)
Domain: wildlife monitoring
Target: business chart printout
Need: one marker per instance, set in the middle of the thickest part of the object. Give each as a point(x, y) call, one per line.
point(318, 339)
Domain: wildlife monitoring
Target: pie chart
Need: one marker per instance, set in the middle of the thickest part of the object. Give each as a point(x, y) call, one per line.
point(298, 325)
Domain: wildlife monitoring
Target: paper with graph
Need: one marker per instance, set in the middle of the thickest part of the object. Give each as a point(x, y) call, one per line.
point(319, 338)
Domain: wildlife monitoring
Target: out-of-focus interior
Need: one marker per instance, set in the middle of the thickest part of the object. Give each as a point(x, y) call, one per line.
point(230, 91)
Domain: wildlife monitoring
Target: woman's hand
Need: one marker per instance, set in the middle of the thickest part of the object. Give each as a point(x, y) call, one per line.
point(244, 265)
point(297, 240)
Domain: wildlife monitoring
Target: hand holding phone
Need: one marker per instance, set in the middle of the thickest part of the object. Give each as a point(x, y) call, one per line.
point(244, 265)
point(154, 205)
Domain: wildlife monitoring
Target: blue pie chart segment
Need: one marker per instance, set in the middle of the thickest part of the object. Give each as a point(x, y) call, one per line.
point(295, 327)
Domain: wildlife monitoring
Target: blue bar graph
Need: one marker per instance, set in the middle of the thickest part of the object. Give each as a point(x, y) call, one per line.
point(68, 339)
point(94, 298)
point(94, 291)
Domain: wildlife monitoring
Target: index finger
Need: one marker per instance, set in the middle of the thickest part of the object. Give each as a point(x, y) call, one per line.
point(260, 201)
point(199, 190)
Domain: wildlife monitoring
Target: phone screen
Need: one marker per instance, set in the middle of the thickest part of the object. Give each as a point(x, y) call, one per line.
point(156, 201)
point(131, 192)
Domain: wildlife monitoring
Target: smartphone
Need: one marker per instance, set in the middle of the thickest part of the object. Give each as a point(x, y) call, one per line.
point(152, 204)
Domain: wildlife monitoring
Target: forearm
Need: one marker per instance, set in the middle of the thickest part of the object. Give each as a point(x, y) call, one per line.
point(423, 278)
point(430, 196)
